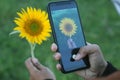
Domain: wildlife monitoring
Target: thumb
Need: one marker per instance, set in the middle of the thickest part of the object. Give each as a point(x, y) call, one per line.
point(36, 64)
point(87, 50)
point(29, 65)
point(33, 65)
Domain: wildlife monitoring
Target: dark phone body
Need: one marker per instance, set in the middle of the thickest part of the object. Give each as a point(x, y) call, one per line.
point(68, 34)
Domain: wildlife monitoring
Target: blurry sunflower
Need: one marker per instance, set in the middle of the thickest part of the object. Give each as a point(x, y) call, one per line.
point(68, 26)
point(32, 24)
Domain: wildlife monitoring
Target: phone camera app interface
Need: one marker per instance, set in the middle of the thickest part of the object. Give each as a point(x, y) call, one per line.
point(69, 35)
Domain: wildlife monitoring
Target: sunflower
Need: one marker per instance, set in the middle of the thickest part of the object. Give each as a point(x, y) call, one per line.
point(33, 24)
point(68, 26)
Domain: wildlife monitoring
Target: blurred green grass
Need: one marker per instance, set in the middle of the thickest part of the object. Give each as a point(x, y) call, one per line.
point(101, 25)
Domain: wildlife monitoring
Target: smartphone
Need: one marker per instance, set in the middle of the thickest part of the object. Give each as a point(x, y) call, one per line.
point(68, 34)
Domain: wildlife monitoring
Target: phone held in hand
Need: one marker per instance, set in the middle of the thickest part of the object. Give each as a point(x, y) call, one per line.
point(68, 34)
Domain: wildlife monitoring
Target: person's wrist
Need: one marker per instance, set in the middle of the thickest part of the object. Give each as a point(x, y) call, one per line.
point(109, 70)
point(103, 68)
point(100, 69)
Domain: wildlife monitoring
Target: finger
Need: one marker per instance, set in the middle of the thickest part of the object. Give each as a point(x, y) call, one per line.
point(57, 56)
point(58, 66)
point(87, 50)
point(54, 47)
point(78, 56)
point(29, 65)
point(37, 64)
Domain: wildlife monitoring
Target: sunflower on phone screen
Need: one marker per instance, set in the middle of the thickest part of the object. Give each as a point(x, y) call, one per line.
point(68, 27)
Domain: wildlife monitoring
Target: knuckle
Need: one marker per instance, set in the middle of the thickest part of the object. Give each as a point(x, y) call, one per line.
point(96, 47)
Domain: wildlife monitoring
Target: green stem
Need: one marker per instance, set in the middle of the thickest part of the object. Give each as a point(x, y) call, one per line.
point(32, 47)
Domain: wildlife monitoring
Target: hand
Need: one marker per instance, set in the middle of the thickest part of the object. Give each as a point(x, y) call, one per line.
point(96, 59)
point(38, 71)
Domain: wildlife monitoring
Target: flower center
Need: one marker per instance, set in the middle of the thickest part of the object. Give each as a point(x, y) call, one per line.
point(68, 27)
point(34, 28)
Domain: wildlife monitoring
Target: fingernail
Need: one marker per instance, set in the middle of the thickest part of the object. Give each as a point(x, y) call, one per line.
point(78, 57)
point(74, 56)
point(56, 56)
point(53, 46)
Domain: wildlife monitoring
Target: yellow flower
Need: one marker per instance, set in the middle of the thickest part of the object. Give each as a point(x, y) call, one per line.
point(33, 24)
point(68, 26)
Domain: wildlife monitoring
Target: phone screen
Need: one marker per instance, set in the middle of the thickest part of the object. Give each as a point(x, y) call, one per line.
point(68, 33)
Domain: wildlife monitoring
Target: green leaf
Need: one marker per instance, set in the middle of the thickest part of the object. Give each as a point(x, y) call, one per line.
point(14, 32)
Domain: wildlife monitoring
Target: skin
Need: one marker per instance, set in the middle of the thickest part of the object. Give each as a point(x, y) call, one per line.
point(38, 71)
point(97, 62)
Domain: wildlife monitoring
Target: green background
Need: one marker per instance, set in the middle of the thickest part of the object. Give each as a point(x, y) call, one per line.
point(101, 25)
